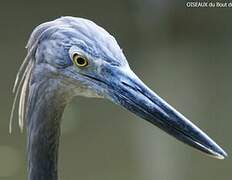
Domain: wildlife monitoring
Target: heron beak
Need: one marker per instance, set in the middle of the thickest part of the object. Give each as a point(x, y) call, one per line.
point(130, 92)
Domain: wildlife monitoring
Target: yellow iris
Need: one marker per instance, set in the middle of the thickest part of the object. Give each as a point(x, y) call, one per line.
point(79, 60)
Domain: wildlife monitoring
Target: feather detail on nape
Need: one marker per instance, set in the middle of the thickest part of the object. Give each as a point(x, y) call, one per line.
point(23, 76)
point(20, 89)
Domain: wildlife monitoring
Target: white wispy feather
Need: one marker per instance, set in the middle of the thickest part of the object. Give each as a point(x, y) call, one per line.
point(20, 88)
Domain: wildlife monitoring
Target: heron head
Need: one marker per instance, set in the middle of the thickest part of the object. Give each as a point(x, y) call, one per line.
point(88, 61)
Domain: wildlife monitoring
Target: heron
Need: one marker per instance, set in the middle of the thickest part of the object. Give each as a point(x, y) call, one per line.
point(69, 57)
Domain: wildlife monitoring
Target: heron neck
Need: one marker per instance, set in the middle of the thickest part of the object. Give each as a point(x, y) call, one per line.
point(43, 131)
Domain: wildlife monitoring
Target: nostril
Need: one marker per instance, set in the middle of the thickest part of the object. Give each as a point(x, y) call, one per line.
point(127, 85)
point(135, 88)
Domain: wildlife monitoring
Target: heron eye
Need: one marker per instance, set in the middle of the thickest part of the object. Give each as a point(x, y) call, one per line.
point(79, 60)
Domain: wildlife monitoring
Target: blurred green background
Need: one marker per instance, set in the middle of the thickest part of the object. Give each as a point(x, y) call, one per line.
point(184, 54)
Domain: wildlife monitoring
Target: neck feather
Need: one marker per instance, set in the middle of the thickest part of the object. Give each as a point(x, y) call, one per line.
point(43, 131)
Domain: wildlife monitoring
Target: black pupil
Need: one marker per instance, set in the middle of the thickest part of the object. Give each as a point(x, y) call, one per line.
point(80, 60)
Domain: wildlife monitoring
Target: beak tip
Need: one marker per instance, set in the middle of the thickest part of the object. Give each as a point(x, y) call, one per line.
point(220, 154)
point(223, 155)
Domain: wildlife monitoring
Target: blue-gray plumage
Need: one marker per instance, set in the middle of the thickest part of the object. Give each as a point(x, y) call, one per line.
point(71, 57)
